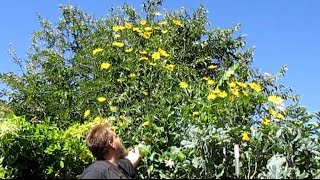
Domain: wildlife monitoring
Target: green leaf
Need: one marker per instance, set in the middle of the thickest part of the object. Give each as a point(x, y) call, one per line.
point(61, 164)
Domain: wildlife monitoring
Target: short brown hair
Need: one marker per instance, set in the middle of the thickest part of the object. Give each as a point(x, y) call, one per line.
point(97, 140)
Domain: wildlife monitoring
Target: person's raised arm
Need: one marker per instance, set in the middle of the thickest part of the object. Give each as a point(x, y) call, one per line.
point(135, 155)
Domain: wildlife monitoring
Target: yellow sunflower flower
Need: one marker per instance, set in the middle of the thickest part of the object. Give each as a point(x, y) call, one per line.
point(169, 67)
point(245, 136)
point(212, 66)
point(183, 85)
point(127, 25)
point(95, 51)
point(256, 87)
point(118, 44)
point(275, 99)
point(143, 22)
point(129, 50)
point(105, 66)
point(86, 113)
point(177, 22)
point(265, 121)
point(155, 56)
point(101, 99)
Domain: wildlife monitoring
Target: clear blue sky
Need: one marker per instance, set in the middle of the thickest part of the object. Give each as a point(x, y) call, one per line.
point(284, 33)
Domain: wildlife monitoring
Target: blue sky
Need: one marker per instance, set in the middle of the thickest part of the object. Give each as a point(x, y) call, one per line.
point(283, 32)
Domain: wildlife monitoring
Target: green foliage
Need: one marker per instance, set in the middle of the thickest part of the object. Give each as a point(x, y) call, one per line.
point(187, 91)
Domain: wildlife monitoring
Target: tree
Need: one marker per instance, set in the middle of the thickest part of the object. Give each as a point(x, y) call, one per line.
point(187, 91)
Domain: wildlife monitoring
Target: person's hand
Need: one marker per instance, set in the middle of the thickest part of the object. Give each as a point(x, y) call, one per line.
point(135, 155)
point(140, 145)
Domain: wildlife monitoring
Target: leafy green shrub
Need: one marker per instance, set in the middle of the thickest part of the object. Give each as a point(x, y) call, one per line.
point(186, 90)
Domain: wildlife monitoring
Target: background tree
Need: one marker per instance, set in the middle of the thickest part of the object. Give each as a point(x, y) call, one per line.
point(187, 91)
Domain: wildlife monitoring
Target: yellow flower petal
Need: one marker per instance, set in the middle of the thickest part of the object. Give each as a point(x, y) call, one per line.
point(105, 66)
point(275, 99)
point(212, 66)
point(95, 51)
point(196, 113)
point(183, 85)
point(86, 113)
point(256, 87)
point(118, 44)
point(143, 22)
point(129, 50)
point(143, 58)
point(169, 67)
point(143, 52)
point(245, 136)
point(127, 25)
point(117, 28)
point(101, 99)
point(177, 22)
point(265, 121)
point(155, 56)
point(163, 52)
point(146, 123)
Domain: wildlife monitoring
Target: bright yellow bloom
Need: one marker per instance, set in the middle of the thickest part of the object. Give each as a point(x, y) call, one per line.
point(272, 112)
point(265, 121)
point(222, 94)
point(275, 99)
point(235, 91)
point(117, 28)
point(212, 66)
point(256, 87)
point(136, 29)
point(206, 78)
point(86, 113)
point(211, 82)
point(122, 124)
point(146, 35)
point(163, 52)
point(117, 36)
point(245, 92)
point(232, 84)
point(280, 116)
point(127, 25)
point(98, 118)
point(164, 31)
point(148, 28)
point(95, 51)
point(145, 93)
point(183, 85)
point(157, 27)
point(143, 22)
point(143, 58)
point(163, 23)
point(212, 96)
point(101, 99)
point(241, 84)
point(143, 52)
point(113, 108)
point(132, 75)
point(129, 50)
point(118, 44)
point(146, 123)
point(276, 114)
point(155, 56)
point(170, 67)
point(196, 113)
point(105, 66)
point(245, 136)
point(177, 22)
point(120, 80)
